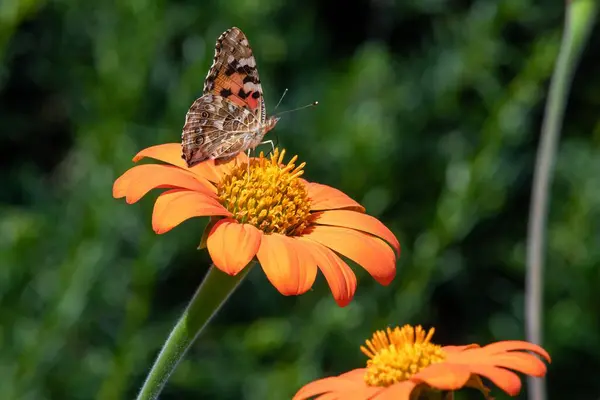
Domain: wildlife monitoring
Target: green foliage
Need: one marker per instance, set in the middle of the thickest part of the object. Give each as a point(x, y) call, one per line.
point(429, 116)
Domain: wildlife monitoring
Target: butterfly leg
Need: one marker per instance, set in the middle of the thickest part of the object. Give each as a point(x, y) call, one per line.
point(248, 171)
point(271, 143)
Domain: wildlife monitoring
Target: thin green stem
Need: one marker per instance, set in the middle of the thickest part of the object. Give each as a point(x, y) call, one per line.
point(214, 290)
point(579, 19)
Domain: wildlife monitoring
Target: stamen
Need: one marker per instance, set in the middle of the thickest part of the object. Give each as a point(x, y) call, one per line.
point(267, 194)
point(398, 354)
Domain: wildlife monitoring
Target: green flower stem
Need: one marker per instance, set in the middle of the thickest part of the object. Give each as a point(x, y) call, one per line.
point(208, 299)
point(579, 20)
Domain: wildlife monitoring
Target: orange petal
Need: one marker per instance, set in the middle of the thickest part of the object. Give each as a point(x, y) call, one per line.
point(370, 252)
point(504, 379)
point(168, 152)
point(316, 388)
point(338, 274)
point(332, 384)
point(171, 153)
point(358, 221)
point(329, 396)
point(398, 391)
point(287, 265)
point(324, 197)
point(139, 180)
point(357, 374)
point(443, 376)
point(175, 206)
point(522, 362)
point(232, 245)
point(512, 345)
point(214, 170)
point(309, 272)
point(358, 393)
point(458, 349)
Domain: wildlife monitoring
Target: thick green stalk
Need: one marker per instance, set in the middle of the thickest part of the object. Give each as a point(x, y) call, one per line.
point(210, 296)
point(579, 20)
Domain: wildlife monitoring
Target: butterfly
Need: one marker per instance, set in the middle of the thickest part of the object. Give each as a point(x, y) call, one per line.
point(230, 117)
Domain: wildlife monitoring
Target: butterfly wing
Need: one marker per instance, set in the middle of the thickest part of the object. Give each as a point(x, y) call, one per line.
point(216, 129)
point(233, 74)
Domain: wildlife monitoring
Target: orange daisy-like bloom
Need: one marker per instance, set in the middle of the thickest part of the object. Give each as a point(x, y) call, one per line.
point(261, 207)
point(404, 365)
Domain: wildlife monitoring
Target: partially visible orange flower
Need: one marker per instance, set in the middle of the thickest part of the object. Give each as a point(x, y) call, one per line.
point(404, 365)
point(263, 208)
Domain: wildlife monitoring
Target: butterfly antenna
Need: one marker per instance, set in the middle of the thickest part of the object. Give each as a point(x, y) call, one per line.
point(282, 96)
point(299, 108)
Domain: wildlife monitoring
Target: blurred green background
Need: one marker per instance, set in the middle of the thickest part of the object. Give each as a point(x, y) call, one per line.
point(429, 115)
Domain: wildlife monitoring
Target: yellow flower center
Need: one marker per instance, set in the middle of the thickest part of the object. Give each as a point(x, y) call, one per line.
point(398, 354)
point(267, 194)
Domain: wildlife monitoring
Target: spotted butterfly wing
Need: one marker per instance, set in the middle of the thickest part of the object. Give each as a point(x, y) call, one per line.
point(233, 73)
point(230, 117)
point(217, 129)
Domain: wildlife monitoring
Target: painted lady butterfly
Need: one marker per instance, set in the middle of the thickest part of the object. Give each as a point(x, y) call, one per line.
point(230, 117)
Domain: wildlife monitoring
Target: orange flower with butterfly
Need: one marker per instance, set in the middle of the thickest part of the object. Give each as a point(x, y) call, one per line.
point(258, 207)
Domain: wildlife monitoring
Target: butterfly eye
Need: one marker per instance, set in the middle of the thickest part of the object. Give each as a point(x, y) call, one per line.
point(204, 114)
point(199, 140)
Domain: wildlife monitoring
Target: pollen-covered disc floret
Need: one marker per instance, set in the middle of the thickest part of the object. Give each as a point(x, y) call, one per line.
point(267, 194)
point(398, 354)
